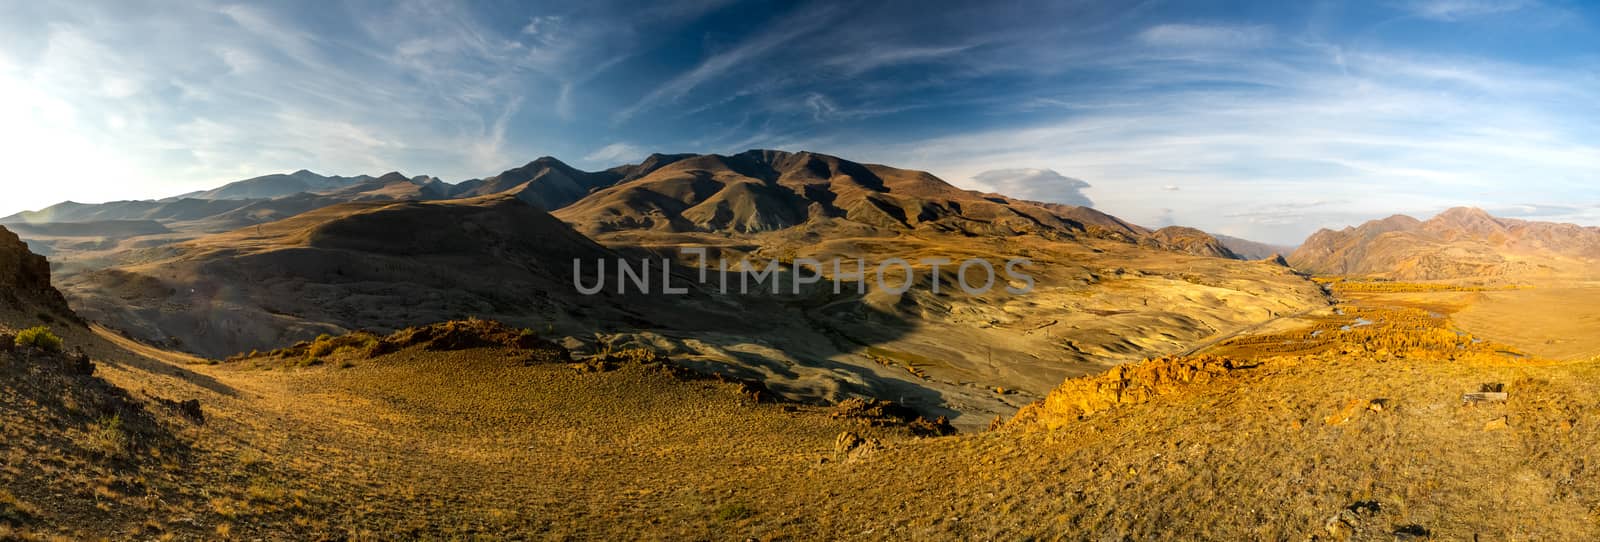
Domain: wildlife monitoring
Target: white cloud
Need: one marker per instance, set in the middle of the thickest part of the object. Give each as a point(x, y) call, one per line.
point(1036, 184)
point(149, 103)
point(617, 153)
point(1373, 136)
point(785, 30)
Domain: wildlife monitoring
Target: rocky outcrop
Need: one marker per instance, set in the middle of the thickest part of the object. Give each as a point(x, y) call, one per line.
point(1122, 385)
point(25, 279)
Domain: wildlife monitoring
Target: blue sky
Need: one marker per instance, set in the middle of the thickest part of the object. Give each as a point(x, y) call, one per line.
point(1263, 120)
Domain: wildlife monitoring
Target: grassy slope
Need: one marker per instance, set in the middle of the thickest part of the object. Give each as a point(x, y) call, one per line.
point(476, 443)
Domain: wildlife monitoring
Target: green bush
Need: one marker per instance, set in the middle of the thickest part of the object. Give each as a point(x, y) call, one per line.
point(39, 337)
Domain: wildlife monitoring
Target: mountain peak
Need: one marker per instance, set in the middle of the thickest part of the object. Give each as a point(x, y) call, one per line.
point(1464, 213)
point(548, 161)
point(1466, 220)
point(393, 177)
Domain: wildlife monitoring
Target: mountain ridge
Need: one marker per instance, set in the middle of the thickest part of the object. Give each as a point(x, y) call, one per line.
point(745, 193)
point(1461, 242)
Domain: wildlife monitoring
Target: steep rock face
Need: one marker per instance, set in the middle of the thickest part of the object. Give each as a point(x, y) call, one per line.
point(25, 278)
point(1458, 243)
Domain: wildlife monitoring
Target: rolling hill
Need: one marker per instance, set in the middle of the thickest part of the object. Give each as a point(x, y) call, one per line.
point(380, 265)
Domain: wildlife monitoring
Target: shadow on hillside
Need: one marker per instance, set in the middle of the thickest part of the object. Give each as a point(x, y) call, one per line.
point(807, 366)
point(133, 355)
point(50, 390)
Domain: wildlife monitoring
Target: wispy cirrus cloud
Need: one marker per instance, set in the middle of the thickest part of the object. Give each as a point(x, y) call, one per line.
point(1455, 10)
point(1208, 36)
point(788, 28)
point(617, 153)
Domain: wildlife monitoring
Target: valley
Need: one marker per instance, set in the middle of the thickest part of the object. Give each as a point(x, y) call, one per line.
point(320, 377)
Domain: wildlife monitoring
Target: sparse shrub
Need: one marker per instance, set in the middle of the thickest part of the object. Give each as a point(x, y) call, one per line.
point(39, 337)
point(938, 427)
point(360, 344)
point(734, 512)
point(14, 511)
point(228, 507)
point(108, 437)
point(608, 359)
point(323, 346)
point(265, 491)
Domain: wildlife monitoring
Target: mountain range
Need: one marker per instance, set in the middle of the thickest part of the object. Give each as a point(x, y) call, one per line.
point(1458, 243)
point(751, 192)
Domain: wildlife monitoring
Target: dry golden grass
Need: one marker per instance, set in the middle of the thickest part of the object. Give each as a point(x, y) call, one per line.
point(1357, 433)
point(1556, 321)
point(1351, 285)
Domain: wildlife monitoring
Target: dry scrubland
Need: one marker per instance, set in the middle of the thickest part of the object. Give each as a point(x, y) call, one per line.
point(1357, 432)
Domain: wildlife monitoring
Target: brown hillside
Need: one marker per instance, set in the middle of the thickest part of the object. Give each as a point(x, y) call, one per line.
point(1191, 241)
point(380, 265)
point(1458, 243)
point(760, 191)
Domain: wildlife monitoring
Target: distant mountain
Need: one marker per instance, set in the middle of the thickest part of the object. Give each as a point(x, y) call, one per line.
point(167, 210)
point(1459, 243)
point(90, 229)
point(748, 193)
point(1252, 250)
point(276, 185)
